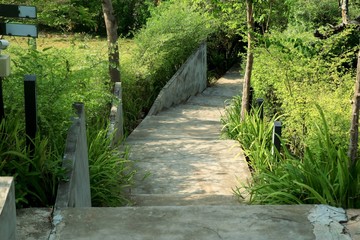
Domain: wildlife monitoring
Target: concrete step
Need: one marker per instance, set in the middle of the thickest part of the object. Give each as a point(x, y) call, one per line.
point(191, 111)
point(193, 166)
point(296, 222)
point(183, 199)
point(207, 100)
point(169, 127)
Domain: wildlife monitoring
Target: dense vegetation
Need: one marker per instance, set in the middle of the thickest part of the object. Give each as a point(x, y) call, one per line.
point(74, 69)
point(308, 84)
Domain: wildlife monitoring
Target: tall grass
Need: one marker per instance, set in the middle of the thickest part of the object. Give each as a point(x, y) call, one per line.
point(36, 172)
point(322, 175)
point(111, 173)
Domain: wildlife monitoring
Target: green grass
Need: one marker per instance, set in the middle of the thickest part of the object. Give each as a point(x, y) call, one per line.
point(322, 175)
point(68, 69)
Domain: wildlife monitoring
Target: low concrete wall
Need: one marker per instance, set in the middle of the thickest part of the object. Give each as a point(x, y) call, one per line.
point(7, 209)
point(75, 192)
point(116, 131)
point(189, 80)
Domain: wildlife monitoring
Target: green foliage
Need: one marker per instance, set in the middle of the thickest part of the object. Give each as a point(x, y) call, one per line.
point(87, 16)
point(64, 76)
point(172, 33)
point(36, 173)
point(323, 175)
point(111, 173)
point(253, 133)
point(307, 14)
point(303, 73)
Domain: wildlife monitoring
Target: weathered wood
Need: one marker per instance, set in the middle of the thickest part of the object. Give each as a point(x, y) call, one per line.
point(245, 105)
point(112, 38)
point(345, 11)
point(354, 128)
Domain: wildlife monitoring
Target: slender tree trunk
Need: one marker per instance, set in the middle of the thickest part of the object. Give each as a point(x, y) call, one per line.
point(245, 105)
point(116, 113)
point(345, 11)
point(354, 129)
point(112, 38)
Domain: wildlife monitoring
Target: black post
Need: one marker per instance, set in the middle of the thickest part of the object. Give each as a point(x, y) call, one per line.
point(251, 96)
point(30, 109)
point(260, 104)
point(276, 137)
point(2, 113)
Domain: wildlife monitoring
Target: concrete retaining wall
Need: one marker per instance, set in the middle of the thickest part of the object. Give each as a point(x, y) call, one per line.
point(7, 209)
point(75, 192)
point(189, 80)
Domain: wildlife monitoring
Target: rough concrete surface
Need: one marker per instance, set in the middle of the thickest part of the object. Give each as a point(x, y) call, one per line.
point(202, 222)
point(189, 80)
point(181, 153)
point(188, 222)
point(353, 223)
point(33, 223)
point(7, 209)
point(185, 185)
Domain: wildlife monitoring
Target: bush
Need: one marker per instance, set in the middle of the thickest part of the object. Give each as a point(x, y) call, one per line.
point(171, 34)
point(323, 175)
point(301, 76)
point(64, 76)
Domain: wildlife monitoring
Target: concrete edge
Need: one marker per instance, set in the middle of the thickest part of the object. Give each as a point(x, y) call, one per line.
point(328, 222)
point(189, 80)
point(7, 208)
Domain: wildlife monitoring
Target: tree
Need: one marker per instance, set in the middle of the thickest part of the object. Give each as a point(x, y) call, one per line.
point(344, 4)
point(245, 105)
point(116, 114)
point(112, 38)
point(354, 129)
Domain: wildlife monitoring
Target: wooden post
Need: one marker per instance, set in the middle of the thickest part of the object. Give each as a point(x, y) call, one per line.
point(2, 113)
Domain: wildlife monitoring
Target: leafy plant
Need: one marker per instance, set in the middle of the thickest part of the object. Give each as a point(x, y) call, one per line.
point(36, 172)
point(323, 175)
point(111, 173)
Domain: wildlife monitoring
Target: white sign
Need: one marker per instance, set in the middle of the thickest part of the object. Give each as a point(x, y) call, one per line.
point(23, 30)
point(27, 12)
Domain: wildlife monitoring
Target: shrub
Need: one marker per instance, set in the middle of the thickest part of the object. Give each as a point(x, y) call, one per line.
point(171, 34)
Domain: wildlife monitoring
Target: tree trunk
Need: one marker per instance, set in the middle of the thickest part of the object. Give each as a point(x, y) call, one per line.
point(245, 105)
point(116, 113)
point(112, 38)
point(345, 11)
point(354, 129)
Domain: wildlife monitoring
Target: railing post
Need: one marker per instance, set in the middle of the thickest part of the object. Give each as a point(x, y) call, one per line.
point(116, 130)
point(251, 96)
point(2, 113)
point(30, 109)
point(276, 137)
point(260, 105)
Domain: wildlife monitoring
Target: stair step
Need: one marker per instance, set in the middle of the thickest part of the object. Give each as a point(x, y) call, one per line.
point(187, 223)
point(183, 199)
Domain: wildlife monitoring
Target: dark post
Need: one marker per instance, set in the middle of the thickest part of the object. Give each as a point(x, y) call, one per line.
point(260, 105)
point(251, 96)
point(276, 137)
point(2, 113)
point(30, 109)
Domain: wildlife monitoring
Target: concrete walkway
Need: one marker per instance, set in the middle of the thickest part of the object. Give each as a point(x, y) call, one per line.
point(180, 153)
point(187, 192)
